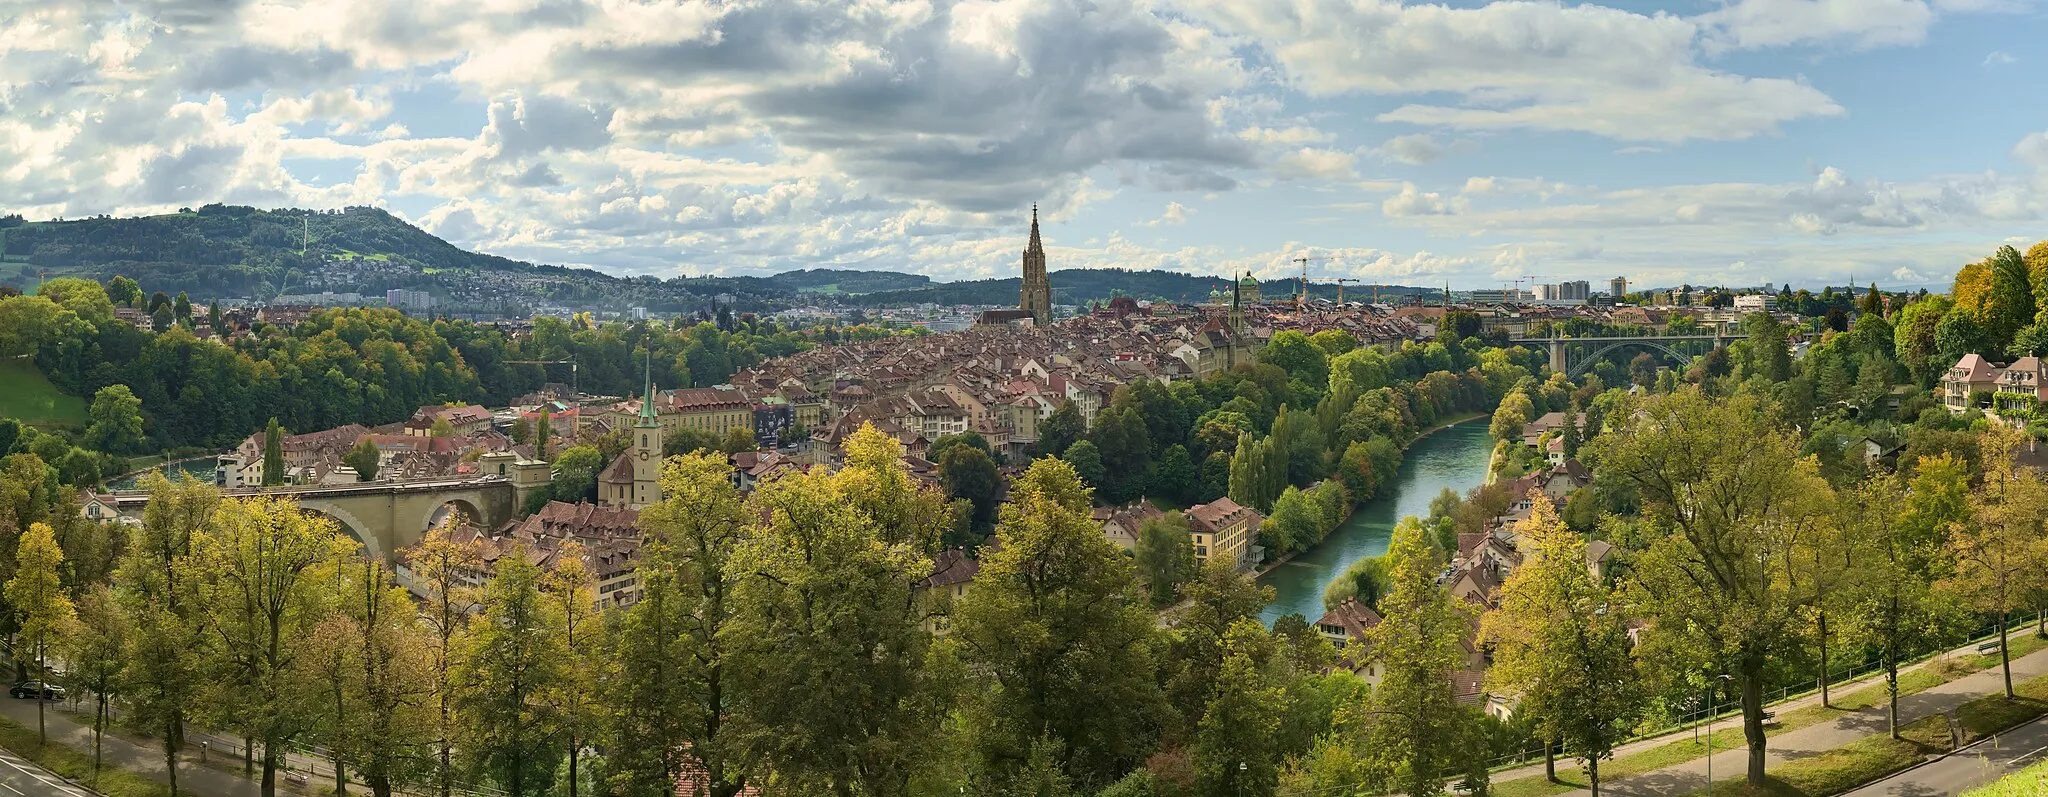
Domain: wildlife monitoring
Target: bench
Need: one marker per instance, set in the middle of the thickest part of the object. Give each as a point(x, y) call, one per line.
point(1988, 647)
point(295, 778)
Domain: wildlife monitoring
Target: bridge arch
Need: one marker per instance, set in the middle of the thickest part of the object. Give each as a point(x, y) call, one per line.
point(351, 525)
point(1586, 362)
point(469, 505)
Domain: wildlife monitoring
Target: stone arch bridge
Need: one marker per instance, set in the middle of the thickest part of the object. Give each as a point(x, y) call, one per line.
point(383, 516)
point(1574, 356)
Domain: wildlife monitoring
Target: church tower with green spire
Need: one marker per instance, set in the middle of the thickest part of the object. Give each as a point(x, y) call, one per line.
point(646, 451)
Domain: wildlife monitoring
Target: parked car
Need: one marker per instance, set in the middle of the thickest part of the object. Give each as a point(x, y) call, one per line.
point(29, 689)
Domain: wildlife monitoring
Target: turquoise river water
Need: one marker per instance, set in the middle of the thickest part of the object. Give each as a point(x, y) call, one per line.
point(1454, 457)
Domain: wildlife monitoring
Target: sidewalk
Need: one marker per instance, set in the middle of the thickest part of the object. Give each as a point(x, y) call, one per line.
point(1808, 741)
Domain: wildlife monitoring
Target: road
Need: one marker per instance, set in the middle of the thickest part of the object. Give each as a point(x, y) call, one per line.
point(21, 777)
point(1970, 767)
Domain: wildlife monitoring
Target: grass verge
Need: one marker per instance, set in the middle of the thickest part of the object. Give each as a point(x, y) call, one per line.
point(63, 760)
point(2029, 782)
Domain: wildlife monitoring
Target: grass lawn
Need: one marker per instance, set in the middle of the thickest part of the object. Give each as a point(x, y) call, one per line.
point(33, 399)
point(2029, 782)
point(76, 765)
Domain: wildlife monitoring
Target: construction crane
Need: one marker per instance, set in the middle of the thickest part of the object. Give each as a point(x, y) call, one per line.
point(1340, 288)
point(1301, 298)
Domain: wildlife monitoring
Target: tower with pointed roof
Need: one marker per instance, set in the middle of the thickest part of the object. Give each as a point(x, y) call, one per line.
point(1036, 293)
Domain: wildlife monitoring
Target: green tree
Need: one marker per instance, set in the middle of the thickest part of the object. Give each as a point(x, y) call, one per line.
point(124, 291)
point(215, 320)
point(1165, 555)
point(2001, 544)
point(162, 678)
point(273, 454)
point(542, 428)
point(968, 473)
point(1121, 437)
point(1302, 360)
point(1334, 342)
point(1086, 461)
point(513, 658)
point(262, 571)
point(1175, 478)
point(98, 651)
point(181, 310)
point(1061, 429)
point(568, 585)
point(1234, 747)
point(116, 415)
point(1560, 644)
point(1063, 642)
point(668, 692)
point(441, 428)
point(444, 564)
point(388, 735)
point(1895, 608)
point(2010, 304)
point(365, 459)
point(576, 472)
point(827, 619)
point(43, 612)
point(1729, 578)
point(1514, 412)
point(161, 319)
point(1958, 333)
point(1292, 526)
point(1415, 736)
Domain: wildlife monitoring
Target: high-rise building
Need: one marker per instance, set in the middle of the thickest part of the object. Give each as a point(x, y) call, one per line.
point(1036, 293)
point(1618, 287)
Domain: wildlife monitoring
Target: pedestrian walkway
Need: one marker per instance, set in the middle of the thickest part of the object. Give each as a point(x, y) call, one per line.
point(147, 761)
point(1808, 741)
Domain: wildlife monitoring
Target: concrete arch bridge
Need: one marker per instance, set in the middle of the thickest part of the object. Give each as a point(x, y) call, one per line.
point(383, 516)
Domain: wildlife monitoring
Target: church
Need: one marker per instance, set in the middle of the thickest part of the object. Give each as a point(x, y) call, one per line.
point(1034, 300)
point(633, 481)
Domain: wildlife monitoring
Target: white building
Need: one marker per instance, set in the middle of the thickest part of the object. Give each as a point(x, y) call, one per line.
point(1754, 302)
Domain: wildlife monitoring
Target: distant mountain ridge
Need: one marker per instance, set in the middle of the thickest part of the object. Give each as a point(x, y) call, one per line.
point(227, 251)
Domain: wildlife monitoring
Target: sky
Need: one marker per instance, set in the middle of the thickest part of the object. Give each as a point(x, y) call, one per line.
point(1733, 143)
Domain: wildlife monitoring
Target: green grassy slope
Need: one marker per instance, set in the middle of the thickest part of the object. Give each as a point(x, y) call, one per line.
point(30, 397)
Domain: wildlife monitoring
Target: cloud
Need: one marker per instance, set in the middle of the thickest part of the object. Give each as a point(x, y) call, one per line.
point(1751, 24)
point(1998, 58)
point(1515, 64)
point(1907, 275)
point(1176, 214)
point(1411, 202)
point(1315, 163)
point(1414, 149)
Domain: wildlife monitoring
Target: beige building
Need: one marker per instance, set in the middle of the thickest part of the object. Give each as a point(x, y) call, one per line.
point(1222, 528)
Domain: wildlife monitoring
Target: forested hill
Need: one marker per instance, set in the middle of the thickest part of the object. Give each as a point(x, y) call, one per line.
point(1084, 285)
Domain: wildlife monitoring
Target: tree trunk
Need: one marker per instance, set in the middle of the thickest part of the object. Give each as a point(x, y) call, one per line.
point(1753, 720)
point(99, 725)
point(269, 770)
point(2004, 655)
point(380, 785)
point(340, 776)
point(42, 733)
point(174, 736)
point(1549, 761)
point(1825, 701)
point(248, 757)
point(1891, 689)
point(1593, 775)
point(572, 765)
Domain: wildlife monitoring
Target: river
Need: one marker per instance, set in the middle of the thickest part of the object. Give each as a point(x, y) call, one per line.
point(1454, 457)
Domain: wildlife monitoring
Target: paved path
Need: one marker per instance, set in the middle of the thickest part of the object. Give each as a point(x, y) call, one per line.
point(1970, 767)
point(1811, 740)
point(20, 776)
point(115, 751)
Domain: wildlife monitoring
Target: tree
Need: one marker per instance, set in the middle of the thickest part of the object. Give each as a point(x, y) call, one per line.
point(1958, 333)
point(98, 652)
point(216, 321)
point(511, 660)
point(162, 677)
point(387, 736)
point(1415, 736)
point(1302, 360)
point(273, 454)
point(161, 319)
point(1514, 412)
point(441, 428)
point(365, 459)
point(1175, 477)
point(968, 473)
point(444, 563)
point(43, 613)
point(1165, 555)
point(1642, 371)
point(1060, 638)
point(1121, 437)
point(1234, 745)
point(1895, 608)
point(1084, 458)
point(181, 310)
point(668, 692)
point(1061, 429)
point(576, 472)
point(1728, 579)
point(262, 572)
point(1561, 644)
point(1334, 342)
point(542, 427)
point(2000, 545)
point(2010, 304)
point(116, 425)
point(124, 291)
point(827, 620)
point(569, 586)
point(1292, 526)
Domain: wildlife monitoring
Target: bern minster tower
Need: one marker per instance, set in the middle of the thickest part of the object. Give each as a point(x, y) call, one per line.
point(1037, 293)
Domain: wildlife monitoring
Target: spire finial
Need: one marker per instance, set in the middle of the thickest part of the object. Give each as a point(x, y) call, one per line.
point(647, 410)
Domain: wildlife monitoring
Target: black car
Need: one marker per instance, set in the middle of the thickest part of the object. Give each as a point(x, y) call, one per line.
point(29, 689)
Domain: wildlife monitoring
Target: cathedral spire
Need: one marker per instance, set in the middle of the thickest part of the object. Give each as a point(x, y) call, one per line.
point(648, 416)
point(1034, 246)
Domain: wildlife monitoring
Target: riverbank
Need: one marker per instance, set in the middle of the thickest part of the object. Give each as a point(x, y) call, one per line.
point(1275, 564)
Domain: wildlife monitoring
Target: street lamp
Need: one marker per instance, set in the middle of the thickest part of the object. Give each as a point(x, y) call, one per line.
point(1713, 709)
